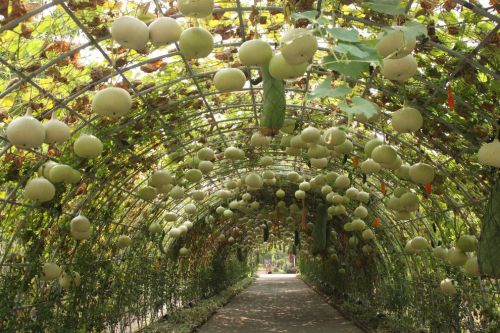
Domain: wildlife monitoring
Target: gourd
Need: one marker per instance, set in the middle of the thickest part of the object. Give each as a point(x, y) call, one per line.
point(361, 212)
point(274, 104)
point(44, 169)
point(190, 209)
point(298, 46)
point(60, 173)
point(419, 243)
point(456, 257)
point(87, 146)
point(293, 176)
point(489, 154)
point(195, 8)
point(421, 173)
point(258, 140)
point(234, 153)
point(170, 217)
point(229, 79)
point(165, 189)
point(326, 189)
point(68, 280)
point(403, 172)
point(407, 120)
point(74, 177)
point(228, 213)
point(160, 178)
point(206, 154)
point(395, 44)
point(80, 224)
point(358, 225)
point(164, 31)
point(266, 161)
point(268, 174)
point(319, 163)
point(352, 193)
point(363, 196)
point(183, 229)
point(409, 201)
point(370, 146)
point(370, 166)
point(305, 186)
point(384, 154)
point(50, 271)
point(342, 182)
point(467, 243)
point(198, 195)
point(297, 142)
point(409, 249)
point(26, 132)
point(188, 224)
point(123, 241)
point(471, 267)
point(344, 148)
point(334, 137)
point(300, 195)
point(176, 193)
point(193, 175)
point(288, 126)
point(396, 164)
point(112, 102)
point(310, 135)
point(39, 189)
point(440, 252)
point(183, 251)
point(446, 287)
point(174, 233)
point(147, 193)
point(195, 43)
point(255, 52)
point(368, 234)
point(56, 131)
point(205, 167)
point(130, 32)
point(399, 70)
point(254, 180)
point(282, 70)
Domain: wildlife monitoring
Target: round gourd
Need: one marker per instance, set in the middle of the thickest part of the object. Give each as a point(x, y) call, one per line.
point(407, 120)
point(344, 148)
point(26, 132)
point(228, 213)
point(334, 137)
point(164, 31)
point(370, 146)
point(305, 186)
point(361, 212)
point(340, 210)
point(81, 235)
point(254, 180)
point(471, 267)
point(56, 131)
point(183, 251)
point(73, 177)
point(402, 215)
point(229, 79)
point(188, 224)
point(190, 209)
point(174, 233)
point(44, 169)
point(368, 234)
point(384, 154)
point(342, 182)
point(266, 161)
point(489, 154)
point(399, 70)
point(394, 203)
point(363, 196)
point(447, 288)
point(112, 102)
point(419, 243)
point(176, 193)
point(281, 70)
point(206, 154)
point(255, 52)
point(130, 32)
point(50, 271)
point(288, 126)
point(396, 164)
point(68, 280)
point(195, 43)
point(317, 151)
point(205, 166)
point(347, 227)
point(123, 241)
point(370, 166)
point(193, 175)
point(164, 189)
point(170, 217)
point(255, 205)
point(409, 201)
point(234, 205)
point(268, 174)
point(154, 228)
point(60, 173)
point(258, 140)
point(198, 195)
point(467, 243)
point(160, 178)
point(293, 176)
point(80, 224)
point(246, 197)
point(182, 229)
point(319, 163)
point(395, 44)
point(310, 135)
point(330, 177)
point(352, 193)
point(39, 189)
point(456, 257)
point(440, 252)
point(421, 173)
point(300, 195)
point(326, 189)
point(358, 225)
point(147, 193)
point(403, 171)
point(88, 146)
point(195, 8)
point(234, 153)
point(298, 46)
point(409, 249)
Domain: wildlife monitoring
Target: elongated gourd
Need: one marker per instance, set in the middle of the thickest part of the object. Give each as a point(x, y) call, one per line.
point(273, 113)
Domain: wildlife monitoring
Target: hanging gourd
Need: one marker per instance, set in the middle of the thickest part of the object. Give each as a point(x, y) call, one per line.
point(147, 193)
point(39, 190)
point(282, 70)
point(234, 153)
point(80, 228)
point(26, 131)
point(370, 166)
point(407, 120)
point(229, 79)
point(130, 32)
point(196, 8)
point(68, 280)
point(259, 140)
point(447, 288)
point(384, 154)
point(193, 175)
point(205, 166)
point(422, 173)
point(55, 130)
point(112, 102)
point(273, 111)
point(298, 46)
point(206, 154)
point(123, 241)
point(255, 52)
point(160, 178)
point(399, 70)
point(395, 44)
point(164, 31)
point(489, 154)
point(196, 43)
point(87, 146)
point(50, 271)
point(60, 173)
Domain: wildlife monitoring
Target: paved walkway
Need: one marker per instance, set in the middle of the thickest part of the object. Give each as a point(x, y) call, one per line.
point(278, 303)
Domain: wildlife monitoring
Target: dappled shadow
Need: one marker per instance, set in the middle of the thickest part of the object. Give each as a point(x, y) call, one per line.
point(278, 303)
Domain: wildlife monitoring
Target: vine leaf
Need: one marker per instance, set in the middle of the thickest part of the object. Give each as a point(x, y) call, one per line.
point(353, 49)
point(389, 7)
point(358, 106)
point(325, 90)
point(347, 35)
point(352, 68)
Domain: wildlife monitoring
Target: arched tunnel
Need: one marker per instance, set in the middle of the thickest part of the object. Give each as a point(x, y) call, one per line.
point(145, 172)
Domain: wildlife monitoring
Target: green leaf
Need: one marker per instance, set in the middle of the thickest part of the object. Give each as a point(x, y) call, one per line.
point(309, 15)
point(358, 106)
point(348, 35)
point(488, 256)
point(325, 90)
point(352, 49)
point(414, 29)
point(390, 7)
point(351, 68)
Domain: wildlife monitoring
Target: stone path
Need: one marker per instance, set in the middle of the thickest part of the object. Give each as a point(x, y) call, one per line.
point(278, 303)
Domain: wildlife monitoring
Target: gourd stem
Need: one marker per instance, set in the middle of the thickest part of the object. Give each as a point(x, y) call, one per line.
point(53, 116)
